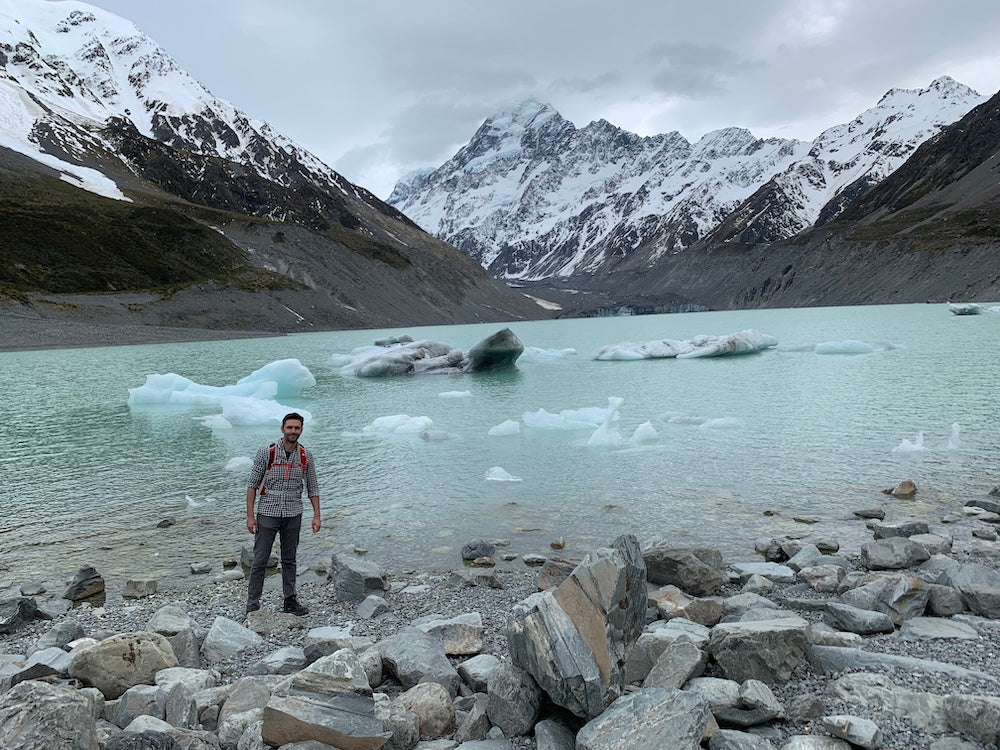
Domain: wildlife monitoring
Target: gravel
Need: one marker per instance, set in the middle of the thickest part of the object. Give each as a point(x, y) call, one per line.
point(439, 596)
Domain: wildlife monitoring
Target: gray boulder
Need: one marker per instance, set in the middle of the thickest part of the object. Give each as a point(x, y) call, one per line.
point(856, 620)
point(648, 719)
point(767, 650)
point(16, 612)
point(122, 661)
point(353, 577)
point(906, 527)
point(893, 553)
point(514, 700)
point(574, 639)
point(975, 715)
point(226, 639)
point(38, 715)
point(899, 596)
point(86, 583)
point(413, 656)
point(699, 571)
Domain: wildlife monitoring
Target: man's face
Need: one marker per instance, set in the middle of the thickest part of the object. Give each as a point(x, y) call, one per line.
point(291, 430)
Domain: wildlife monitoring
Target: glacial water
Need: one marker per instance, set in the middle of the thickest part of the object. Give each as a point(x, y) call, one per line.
point(739, 445)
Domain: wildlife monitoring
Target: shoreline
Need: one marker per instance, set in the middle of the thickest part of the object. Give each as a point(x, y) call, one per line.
point(415, 593)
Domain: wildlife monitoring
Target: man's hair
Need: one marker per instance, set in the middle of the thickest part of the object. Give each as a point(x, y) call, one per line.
point(292, 415)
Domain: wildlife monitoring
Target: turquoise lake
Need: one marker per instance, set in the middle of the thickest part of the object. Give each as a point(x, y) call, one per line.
point(787, 432)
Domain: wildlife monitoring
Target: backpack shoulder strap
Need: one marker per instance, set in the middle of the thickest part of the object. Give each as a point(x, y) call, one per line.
point(271, 449)
point(302, 459)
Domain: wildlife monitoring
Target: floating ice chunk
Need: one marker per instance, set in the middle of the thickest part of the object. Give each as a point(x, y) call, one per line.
point(743, 342)
point(954, 443)
point(239, 463)
point(676, 417)
point(455, 394)
point(607, 435)
point(722, 423)
point(586, 418)
point(290, 375)
point(510, 427)
point(398, 424)
point(284, 378)
point(645, 433)
point(532, 354)
point(499, 474)
point(193, 504)
point(905, 446)
point(497, 352)
point(238, 411)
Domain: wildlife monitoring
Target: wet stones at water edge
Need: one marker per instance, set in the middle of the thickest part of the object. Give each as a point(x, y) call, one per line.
point(86, 583)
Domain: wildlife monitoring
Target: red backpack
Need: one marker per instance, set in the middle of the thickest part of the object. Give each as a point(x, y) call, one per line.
point(272, 450)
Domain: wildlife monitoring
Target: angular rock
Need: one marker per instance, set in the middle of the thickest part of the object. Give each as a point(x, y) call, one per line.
point(460, 635)
point(893, 553)
point(822, 578)
point(975, 715)
point(402, 724)
point(122, 661)
point(551, 734)
point(772, 571)
point(60, 635)
point(857, 620)
point(433, 707)
point(906, 527)
point(353, 577)
point(86, 583)
point(767, 651)
point(699, 571)
point(730, 739)
point(860, 732)
point(648, 719)
point(139, 700)
point(38, 715)
point(679, 662)
point(169, 620)
point(139, 588)
point(476, 671)
point(413, 656)
point(16, 612)
point(476, 722)
point(574, 639)
point(226, 639)
point(899, 596)
point(146, 740)
point(342, 720)
point(478, 548)
point(671, 602)
point(373, 606)
point(514, 700)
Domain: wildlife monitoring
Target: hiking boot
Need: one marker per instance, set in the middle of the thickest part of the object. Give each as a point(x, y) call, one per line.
point(293, 607)
point(252, 607)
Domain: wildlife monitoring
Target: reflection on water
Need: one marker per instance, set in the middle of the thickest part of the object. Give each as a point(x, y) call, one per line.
point(787, 431)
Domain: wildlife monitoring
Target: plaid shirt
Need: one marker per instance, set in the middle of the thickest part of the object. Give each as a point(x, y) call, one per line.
point(281, 493)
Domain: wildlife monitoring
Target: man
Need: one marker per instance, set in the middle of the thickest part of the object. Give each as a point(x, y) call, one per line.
point(280, 471)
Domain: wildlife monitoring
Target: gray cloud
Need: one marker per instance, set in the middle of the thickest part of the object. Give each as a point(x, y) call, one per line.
point(377, 89)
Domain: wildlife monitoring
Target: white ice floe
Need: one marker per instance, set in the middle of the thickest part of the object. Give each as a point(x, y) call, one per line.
point(499, 474)
point(607, 435)
point(586, 418)
point(454, 394)
point(645, 433)
point(397, 359)
point(509, 427)
point(743, 342)
point(244, 411)
point(917, 445)
point(281, 379)
point(193, 504)
point(722, 423)
point(398, 424)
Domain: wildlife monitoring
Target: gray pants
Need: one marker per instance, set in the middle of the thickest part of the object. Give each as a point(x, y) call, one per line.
point(287, 530)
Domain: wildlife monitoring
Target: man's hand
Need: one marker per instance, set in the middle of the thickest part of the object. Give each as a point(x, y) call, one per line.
point(251, 524)
point(316, 524)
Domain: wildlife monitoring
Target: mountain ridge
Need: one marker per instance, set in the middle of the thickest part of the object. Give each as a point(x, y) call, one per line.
point(89, 100)
point(605, 201)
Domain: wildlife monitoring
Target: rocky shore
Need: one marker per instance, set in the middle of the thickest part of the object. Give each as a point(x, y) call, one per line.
point(796, 646)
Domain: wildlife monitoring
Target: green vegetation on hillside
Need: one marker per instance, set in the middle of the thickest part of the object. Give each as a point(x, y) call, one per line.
point(57, 238)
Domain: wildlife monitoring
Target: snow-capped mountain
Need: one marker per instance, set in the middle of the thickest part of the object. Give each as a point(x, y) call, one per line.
point(89, 99)
point(532, 197)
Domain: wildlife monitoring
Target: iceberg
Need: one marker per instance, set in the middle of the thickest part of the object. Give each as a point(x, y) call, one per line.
point(398, 424)
point(499, 474)
point(586, 418)
point(607, 435)
point(286, 378)
point(965, 308)
point(509, 427)
point(743, 342)
point(401, 357)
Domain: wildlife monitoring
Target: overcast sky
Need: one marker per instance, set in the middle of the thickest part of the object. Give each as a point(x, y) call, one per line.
point(377, 88)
